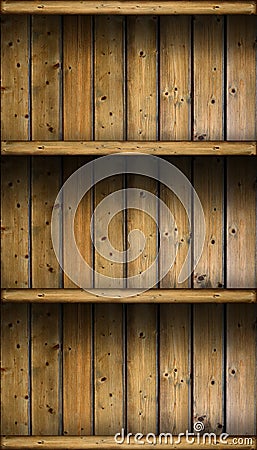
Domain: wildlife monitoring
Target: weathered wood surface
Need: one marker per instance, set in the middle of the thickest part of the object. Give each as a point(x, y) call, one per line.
point(128, 7)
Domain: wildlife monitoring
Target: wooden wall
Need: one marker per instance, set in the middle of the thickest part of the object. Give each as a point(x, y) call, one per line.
point(91, 369)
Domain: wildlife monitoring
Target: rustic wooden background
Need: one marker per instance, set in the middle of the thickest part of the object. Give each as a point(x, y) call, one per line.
point(91, 369)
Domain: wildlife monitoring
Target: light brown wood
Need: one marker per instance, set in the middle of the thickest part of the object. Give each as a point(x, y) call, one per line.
point(45, 82)
point(208, 78)
point(208, 183)
point(14, 224)
point(241, 83)
point(45, 186)
point(150, 296)
point(77, 389)
point(241, 369)
point(207, 367)
point(15, 395)
point(14, 76)
point(45, 351)
point(128, 7)
point(81, 442)
point(108, 147)
point(241, 223)
point(77, 76)
point(175, 78)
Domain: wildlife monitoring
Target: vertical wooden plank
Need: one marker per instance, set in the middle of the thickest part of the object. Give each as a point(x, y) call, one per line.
point(77, 402)
point(77, 417)
point(14, 228)
point(207, 365)
point(108, 318)
point(46, 71)
point(241, 223)
point(208, 78)
point(175, 330)
point(241, 78)
point(77, 84)
point(175, 78)
point(45, 369)
point(141, 383)
point(241, 369)
point(14, 75)
point(14, 370)
point(141, 319)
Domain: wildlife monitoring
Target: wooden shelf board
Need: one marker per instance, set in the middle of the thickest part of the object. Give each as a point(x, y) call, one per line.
point(108, 442)
point(127, 7)
point(109, 147)
point(117, 296)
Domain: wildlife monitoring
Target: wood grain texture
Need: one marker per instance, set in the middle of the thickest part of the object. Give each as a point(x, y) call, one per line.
point(45, 351)
point(15, 224)
point(175, 370)
point(108, 147)
point(207, 367)
point(77, 354)
point(14, 76)
point(141, 385)
point(241, 223)
point(77, 76)
point(14, 370)
point(209, 185)
point(241, 78)
point(45, 186)
point(208, 78)
point(175, 78)
point(128, 7)
point(241, 369)
point(45, 82)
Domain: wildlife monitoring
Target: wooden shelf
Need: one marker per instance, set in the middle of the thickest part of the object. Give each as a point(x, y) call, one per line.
point(108, 147)
point(127, 7)
point(108, 442)
point(150, 296)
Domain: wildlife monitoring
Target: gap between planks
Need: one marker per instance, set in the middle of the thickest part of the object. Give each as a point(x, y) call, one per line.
point(117, 296)
point(128, 7)
point(160, 148)
point(108, 442)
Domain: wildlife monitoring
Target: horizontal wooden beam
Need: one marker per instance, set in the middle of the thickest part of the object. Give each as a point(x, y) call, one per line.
point(108, 442)
point(132, 296)
point(104, 147)
point(127, 7)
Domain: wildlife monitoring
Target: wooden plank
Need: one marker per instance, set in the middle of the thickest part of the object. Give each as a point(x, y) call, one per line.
point(128, 7)
point(14, 226)
point(208, 78)
point(241, 366)
point(116, 296)
point(241, 223)
point(108, 369)
point(108, 343)
point(208, 370)
point(109, 147)
point(77, 401)
point(77, 85)
point(45, 186)
point(208, 183)
point(175, 78)
point(45, 351)
point(241, 83)
point(46, 72)
point(175, 330)
point(14, 75)
point(14, 370)
point(91, 442)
